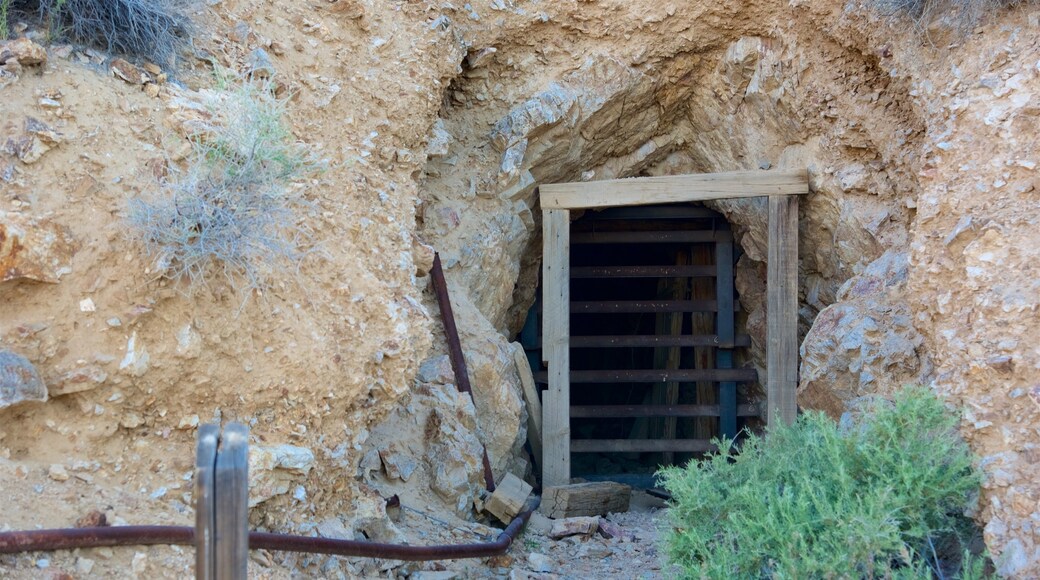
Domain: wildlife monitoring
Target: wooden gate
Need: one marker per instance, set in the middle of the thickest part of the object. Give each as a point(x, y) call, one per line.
point(557, 200)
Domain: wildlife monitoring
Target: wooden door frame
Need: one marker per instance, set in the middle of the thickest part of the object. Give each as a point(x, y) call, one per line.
point(558, 199)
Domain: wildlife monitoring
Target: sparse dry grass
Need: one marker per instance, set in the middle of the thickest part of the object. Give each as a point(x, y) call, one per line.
point(961, 15)
point(153, 29)
point(235, 210)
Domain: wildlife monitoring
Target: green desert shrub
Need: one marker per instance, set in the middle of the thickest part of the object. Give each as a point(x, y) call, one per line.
point(153, 29)
point(235, 210)
point(883, 498)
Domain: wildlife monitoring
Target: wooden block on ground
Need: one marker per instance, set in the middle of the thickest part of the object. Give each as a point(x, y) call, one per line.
point(509, 498)
point(585, 499)
point(584, 526)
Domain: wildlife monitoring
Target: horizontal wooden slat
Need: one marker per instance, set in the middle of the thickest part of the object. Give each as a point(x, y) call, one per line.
point(660, 376)
point(643, 272)
point(641, 445)
point(615, 411)
point(672, 189)
point(636, 341)
point(638, 306)
point(652, 212)
point(680, 237)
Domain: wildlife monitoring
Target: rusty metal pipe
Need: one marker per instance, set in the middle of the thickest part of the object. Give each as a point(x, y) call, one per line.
point(458, 360)
point(72, 538)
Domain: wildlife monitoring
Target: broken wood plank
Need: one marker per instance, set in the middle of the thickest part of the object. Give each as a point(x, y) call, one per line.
point(556, 423)
point(509, 498)
point(534, 404)
point(782, 311)
point(672, 189)
point(585, 499)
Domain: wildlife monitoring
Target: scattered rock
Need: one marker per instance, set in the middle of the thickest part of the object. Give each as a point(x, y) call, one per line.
point(77, 380)
point(611, 530)
point(274, 469)
point(540, 562)
point(140, 563)
point(440, 141)
point(19, 380)
point(34, 249)
point(260, 64)
point(37, 139)
point(84, 566)
point(57, 472)
point(397, 465)
point(437, 370)
point(539, 524)
point(128, 72)
point(93, 519)
point(23, 51)
point(584, 525)
point(135, 363)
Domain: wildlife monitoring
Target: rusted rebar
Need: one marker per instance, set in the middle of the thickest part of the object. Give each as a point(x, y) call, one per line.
point(73, 538)
point(458, 360)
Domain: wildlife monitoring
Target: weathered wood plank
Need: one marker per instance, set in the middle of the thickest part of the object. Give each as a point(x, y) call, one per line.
point(643, 271)
point(534, 404)
point(641, 445)
point(635, 341)
point(782, 310)
point(672, 189)
point(652, 237)
point(556, 454)
point(619, 411)
point(643, 306)
point(205, 498)
point(725, 327)
point(660, 376)
point(231, 477)
point(652, 212)
point(509, 498)
point(585, 499)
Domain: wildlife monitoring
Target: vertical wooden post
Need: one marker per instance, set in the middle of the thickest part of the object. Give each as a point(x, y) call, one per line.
point(232, 504)
point(724, 329)
point(782, 310)
point(205, 500)
point(556, 424)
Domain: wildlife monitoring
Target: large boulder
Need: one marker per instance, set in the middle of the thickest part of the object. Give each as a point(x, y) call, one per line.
point(19, 380)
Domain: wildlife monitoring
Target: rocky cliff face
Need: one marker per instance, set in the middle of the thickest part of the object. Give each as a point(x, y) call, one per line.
point(438, 122)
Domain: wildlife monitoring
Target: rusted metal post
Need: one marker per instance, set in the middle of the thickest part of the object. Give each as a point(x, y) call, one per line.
point(458, 360)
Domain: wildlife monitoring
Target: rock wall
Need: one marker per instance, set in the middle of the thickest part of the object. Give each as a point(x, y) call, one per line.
point(888, 126)
point(437, 123)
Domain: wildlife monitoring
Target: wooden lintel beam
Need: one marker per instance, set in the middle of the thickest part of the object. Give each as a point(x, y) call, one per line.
point(672, 189)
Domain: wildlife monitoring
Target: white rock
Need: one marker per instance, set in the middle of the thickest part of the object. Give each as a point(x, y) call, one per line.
point(139, 563)
point(84, 566)
point(57, 472)
point(539, 562)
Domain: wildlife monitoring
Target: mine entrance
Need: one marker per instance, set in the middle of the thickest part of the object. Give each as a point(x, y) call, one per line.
point(657, 341)
point(640, 327)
